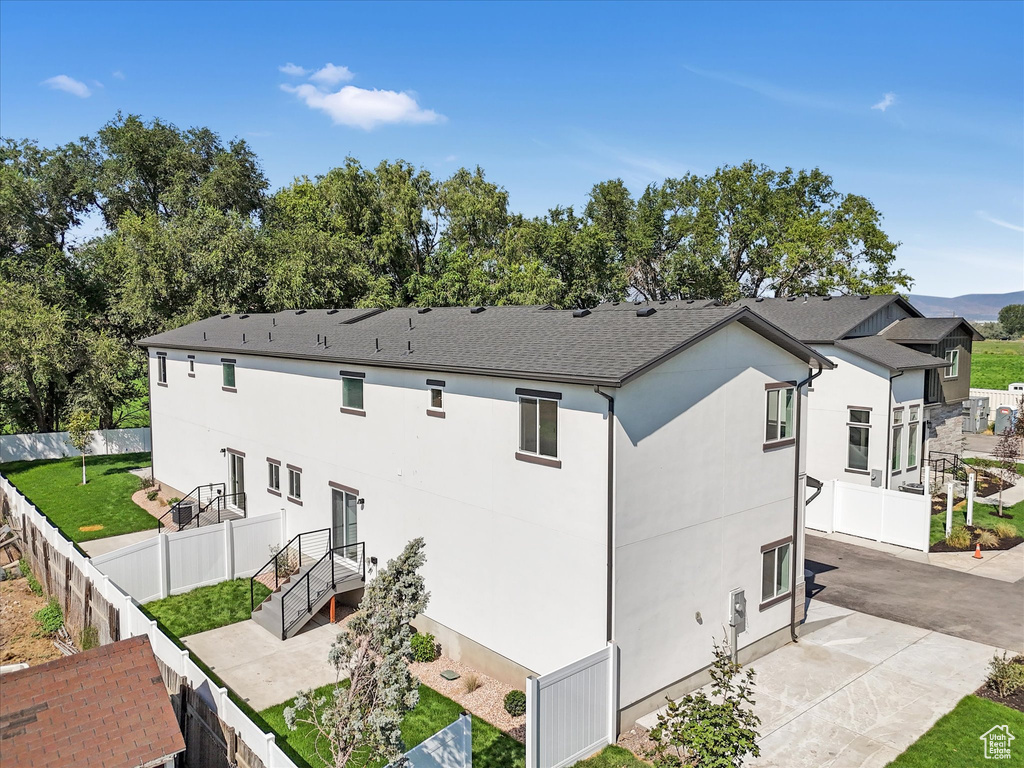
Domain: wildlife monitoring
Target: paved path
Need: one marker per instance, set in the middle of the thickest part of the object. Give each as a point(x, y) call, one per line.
point(856, 691)
point(959, 604)
point(97, 547)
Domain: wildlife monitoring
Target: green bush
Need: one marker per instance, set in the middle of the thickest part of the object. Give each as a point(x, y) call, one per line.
point(33, 583)
point(424, 647)
point(50, 618)
point(146, 481)
point(173, 500)
point(151, 495)
point(89, 638)
point(515, 703)
point(1006, 675)
point(959, 537)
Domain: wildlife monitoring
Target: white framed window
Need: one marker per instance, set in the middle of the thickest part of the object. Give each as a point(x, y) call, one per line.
point(192, 365)
point(161, 368)
point(859, 435)
point(294, 483)
point(437, 399)
point(538, 426)
point(779, 414)
point(775, 570)
point(227, 368)
point(897, 447)
point(274, 476)
point(953, 358)
point(352, 393)
point(913, 436)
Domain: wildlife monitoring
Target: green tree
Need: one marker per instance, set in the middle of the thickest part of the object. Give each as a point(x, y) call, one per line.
point(80, 434)
point(362, 719)
point(1011, 317)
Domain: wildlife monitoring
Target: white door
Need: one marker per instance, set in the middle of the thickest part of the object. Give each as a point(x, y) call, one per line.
point(345, 529)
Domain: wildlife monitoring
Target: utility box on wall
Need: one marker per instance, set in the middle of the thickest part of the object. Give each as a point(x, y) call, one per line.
point(976, 414)
point(1004, 419)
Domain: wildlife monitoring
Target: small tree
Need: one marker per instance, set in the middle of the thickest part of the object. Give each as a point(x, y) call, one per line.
point(80, 434)
point(1007, 453)
point(712, 734)
point(362, 718)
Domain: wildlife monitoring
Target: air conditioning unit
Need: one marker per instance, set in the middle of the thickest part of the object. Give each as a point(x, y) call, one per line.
point(917, 488)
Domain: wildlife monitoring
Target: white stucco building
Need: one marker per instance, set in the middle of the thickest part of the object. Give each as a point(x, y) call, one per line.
point(578, 477)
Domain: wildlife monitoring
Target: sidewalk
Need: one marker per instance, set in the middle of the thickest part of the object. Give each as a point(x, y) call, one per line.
point(96, 547)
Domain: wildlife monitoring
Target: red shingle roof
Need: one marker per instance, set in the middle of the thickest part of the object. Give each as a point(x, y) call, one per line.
point(105, 707)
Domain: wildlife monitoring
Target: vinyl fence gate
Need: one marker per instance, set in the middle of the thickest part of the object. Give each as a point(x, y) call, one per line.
point(573, 712)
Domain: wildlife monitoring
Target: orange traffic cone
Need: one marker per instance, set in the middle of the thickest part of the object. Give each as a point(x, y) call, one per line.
point(977, 551)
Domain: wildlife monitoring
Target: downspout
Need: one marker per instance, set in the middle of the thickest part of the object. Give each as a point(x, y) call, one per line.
point(796, 500)
point(610, 577)
point(888, 435)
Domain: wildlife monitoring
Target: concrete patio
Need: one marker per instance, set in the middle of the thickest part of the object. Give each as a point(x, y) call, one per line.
point(97, 547)
point(263, 669)
point(857, 690)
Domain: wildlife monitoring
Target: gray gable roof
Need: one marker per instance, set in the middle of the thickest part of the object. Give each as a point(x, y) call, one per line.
point(518, 342)
point(893, 356)
point(822, 319)
point(926, 330)
point(630, 306)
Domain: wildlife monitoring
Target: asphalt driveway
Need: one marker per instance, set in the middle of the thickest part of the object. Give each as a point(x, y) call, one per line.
point(926, 596)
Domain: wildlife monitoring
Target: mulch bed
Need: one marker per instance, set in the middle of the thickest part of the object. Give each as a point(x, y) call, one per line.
point(986, 484)
point(1005, 543)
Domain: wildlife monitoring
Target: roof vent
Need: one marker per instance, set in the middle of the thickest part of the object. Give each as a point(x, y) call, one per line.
point(224, 317)
point(580, 312)
point(615, 303)
point(638, 302)
point(791, 298)
point(759, 299)
point(864, 297)
point(332, 311)
point(242, 317)
point(422, 310)
point(826, 298)
point(663, 301)
point(300, 311)
point(476, 310)
point(645, 312)
point(689, 301)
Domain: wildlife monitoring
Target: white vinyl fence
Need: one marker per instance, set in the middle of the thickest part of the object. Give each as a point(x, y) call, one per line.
point(56, 445)
point(891, 517)
point(450, 748)
point(172, 563)
point(572, 712)
point(997, 398)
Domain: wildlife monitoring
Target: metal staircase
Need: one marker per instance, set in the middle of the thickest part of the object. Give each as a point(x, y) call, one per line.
point(306, 573)
point(203, 505)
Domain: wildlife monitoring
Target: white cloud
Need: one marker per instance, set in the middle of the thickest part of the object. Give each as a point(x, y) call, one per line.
point(999, 222)
point(365, 108)
point(887, 101)
point(69, 85)
point(331, 75)
point(118, 74)
point(293, 69)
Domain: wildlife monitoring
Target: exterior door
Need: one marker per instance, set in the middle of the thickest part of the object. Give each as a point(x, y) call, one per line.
point(345, 520)
point(237, 474)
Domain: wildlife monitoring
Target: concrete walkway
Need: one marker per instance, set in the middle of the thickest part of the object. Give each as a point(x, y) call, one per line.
point(857, 690)
point(260, 667)
point(103, 546)
point(857, 578)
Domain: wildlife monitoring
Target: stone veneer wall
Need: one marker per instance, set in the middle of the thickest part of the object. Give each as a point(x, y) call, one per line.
point(946, 430)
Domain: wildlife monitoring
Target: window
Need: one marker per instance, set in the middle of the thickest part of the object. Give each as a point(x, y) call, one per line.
point(538, 426)
point(161, 369)
point(897, 447)
point(352, 393)
point(192, 365)
point(779, 416)
point(953, 358)
point(228, 373)
point(859, 426)
point(913, 430)
point(294, 483)
point(437, 399)
point(775, 576)
point(274, 476)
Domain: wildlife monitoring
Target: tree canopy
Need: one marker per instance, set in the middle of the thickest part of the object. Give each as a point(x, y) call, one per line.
point(145, 226)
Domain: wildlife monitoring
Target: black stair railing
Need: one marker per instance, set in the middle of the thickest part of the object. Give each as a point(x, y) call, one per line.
point(287, 561)
point(191, 506)
point(337, 565)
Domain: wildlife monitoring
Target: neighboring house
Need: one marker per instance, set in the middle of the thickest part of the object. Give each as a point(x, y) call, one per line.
point(579, 477)
point(897, 390)
point(104, 707)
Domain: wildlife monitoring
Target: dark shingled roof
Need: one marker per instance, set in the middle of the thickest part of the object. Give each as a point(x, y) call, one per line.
point(103, 707)
point(821, 319)
point(518, 342)
point(628, 306)
point(893, 356)
point(926, 330)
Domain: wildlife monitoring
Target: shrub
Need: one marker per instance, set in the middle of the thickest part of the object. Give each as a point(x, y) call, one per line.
point(151, 495)
point(173, 500)
point(959, 537)
point(50, 618)
point(33, 583)
point(88, 638)
point(515, 703)
point(146, 481)
point(987, 538)
point(1005, 530)
point(471, 681)
point(424, 647)
point(1006, 675)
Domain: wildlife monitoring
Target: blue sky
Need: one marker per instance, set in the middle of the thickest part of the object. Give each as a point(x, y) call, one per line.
point(551, 98)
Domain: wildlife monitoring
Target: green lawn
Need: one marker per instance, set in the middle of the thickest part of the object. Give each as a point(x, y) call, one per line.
point(491, 747)
point(953, 742)
point(997, 364)
point(984, 517)
point(612, 757)
point(206, 608)
point(54, 486)
point(988, 463)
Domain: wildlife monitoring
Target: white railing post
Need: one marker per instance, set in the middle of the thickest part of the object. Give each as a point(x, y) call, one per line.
point(613, 693)
point(949, 509)
point(163, 563)
point(532, 722)
point(970, 497)
point(229, 551)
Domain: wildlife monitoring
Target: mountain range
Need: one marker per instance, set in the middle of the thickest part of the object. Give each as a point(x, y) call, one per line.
point(981, 307)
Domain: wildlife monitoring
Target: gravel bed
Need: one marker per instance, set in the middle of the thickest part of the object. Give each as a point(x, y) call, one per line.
point(637, 742)
point(487, 702)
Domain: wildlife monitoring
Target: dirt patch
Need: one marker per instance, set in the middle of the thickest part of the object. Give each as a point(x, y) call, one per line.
point(17, 605)
point(486, 702)
point(636, 741)
point(90, 528)
point(1004, 543)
